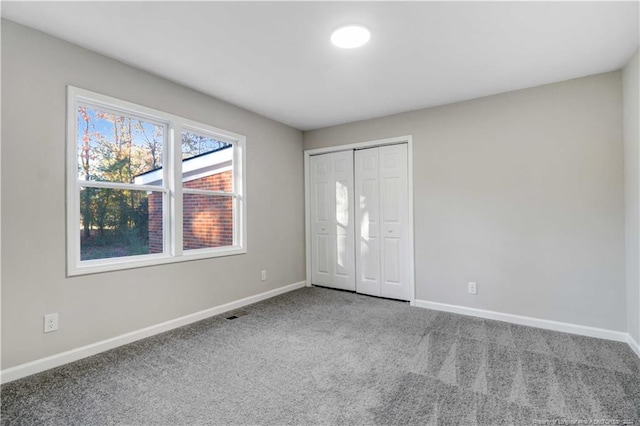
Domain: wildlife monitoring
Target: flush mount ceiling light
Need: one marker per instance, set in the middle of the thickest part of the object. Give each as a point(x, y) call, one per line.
point(350, 36)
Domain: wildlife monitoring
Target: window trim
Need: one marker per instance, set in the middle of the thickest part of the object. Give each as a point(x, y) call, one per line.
point(171, 188)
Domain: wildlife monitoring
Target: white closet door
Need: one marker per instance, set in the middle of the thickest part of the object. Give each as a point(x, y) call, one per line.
point(332, 229)
point(382, 214)
point(321, 177)
point(394, 221)
point(367, 222)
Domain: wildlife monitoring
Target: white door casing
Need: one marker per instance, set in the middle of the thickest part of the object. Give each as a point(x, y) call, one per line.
point(332, 229)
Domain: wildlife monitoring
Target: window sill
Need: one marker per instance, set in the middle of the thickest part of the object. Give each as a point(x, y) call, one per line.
point(116, 264)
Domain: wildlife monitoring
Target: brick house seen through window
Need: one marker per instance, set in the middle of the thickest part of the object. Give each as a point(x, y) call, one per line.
point(207, 219)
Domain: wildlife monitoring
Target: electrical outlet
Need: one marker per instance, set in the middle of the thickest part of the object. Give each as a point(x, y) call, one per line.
point(472, 288)
point(263, 275)
point(50, 322)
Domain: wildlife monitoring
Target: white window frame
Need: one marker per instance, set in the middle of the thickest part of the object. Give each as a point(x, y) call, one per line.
point(171, 188)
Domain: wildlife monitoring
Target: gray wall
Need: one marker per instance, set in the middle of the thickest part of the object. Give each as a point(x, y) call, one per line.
point(521, 192)
point(35, 70)
point(632, 192)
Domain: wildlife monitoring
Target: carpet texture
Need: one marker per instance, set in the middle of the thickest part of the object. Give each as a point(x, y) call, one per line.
point(319, 356)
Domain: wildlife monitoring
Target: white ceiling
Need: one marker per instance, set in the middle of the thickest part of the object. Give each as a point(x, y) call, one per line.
point(276, 58)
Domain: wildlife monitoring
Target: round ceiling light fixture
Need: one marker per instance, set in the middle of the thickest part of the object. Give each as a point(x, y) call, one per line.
point(350, 36)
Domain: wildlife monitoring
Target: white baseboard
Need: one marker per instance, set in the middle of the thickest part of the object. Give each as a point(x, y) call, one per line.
point(634, 345)
point(565, 327)
point(33, 367)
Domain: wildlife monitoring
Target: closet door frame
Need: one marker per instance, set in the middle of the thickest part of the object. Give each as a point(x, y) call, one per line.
point(362, 145)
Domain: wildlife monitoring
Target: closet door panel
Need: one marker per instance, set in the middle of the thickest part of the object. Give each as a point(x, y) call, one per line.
point(343, 227)
point(392, 253)
point(367, 222)
point(321, 247)
point(394, 218)
point(332, 228)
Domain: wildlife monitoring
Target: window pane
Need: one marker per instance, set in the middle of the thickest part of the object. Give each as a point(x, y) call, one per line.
point(207, 221)
point(207, 163)
point(120, 223)
point(117, 148)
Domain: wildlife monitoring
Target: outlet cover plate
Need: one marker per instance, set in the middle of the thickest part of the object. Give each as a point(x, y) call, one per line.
point(473, 289)
point(50, 323)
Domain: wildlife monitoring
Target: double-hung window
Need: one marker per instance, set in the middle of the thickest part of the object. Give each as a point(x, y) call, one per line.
point(145, 187)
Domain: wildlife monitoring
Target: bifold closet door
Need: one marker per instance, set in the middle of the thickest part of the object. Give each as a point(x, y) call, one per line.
point(382, 219)
point(332, 228)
